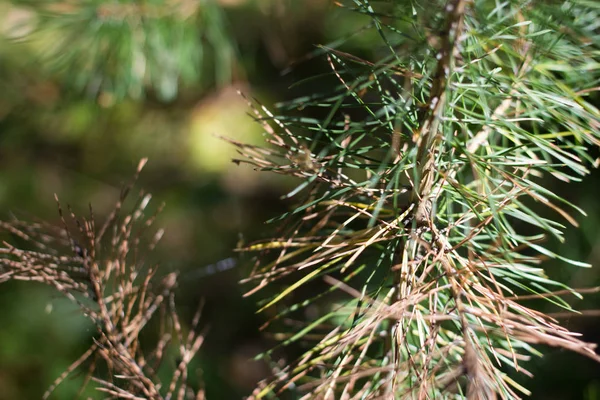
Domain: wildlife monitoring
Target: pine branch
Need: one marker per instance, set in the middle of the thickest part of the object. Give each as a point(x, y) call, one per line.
point(424, 237)
point(103, 272)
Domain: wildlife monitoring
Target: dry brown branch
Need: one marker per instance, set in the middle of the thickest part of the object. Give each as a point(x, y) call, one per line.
point(103, 272)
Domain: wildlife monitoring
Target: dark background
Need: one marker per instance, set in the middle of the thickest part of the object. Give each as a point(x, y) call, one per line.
point(58, 135)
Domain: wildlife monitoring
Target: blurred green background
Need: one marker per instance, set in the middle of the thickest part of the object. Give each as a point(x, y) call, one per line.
point(88, 88)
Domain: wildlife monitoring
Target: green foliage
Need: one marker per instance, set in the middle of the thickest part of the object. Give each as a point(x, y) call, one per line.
point(407, 267)
point(124, 48)
point(418, 175)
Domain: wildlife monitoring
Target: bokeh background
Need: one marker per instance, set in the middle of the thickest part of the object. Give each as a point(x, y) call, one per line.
point(89, 88)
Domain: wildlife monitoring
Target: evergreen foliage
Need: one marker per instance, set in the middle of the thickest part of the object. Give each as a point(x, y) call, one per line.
point(407, 267)
point(125, 48)
point(417, 179)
